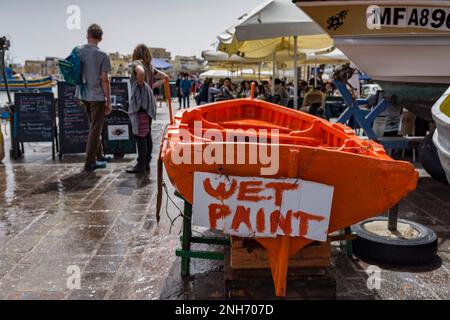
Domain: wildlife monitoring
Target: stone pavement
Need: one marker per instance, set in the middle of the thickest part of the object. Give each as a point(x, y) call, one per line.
point(55, 220)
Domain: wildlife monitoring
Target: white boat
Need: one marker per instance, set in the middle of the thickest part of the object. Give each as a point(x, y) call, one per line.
point(441, 137)
point(404, 45)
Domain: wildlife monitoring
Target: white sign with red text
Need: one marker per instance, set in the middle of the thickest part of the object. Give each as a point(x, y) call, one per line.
point(261, 207)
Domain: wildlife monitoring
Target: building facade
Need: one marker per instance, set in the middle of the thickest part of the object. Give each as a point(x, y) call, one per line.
point(17, 68)
point(47, 67)
point(34, 67)
point(120, 64)
point(190, 64)
point(161, 53)
point(50, 67)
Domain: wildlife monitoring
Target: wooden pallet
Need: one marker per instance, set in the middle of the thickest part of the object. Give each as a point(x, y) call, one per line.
point(249, 254)
point(304, 283)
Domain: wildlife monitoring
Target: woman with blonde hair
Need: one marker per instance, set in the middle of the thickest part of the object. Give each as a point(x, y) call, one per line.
point(144, 78)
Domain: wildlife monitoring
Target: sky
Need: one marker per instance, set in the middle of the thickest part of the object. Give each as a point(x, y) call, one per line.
point(184, 27)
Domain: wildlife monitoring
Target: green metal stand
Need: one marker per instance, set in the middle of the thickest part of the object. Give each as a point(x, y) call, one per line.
point(345, 243)
point(186, 253)
point(349, 244)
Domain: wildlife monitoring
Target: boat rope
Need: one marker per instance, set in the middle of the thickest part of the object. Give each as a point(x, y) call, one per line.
point(173, 220)
point(168, 198)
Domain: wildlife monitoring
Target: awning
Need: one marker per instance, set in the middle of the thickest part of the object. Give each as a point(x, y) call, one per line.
point(161, 63)
point(247, 74)
point(270, 28)
point(278, 18)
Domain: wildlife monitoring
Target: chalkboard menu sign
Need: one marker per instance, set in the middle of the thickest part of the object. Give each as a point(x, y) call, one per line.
point(117, 136)
point(73, 122)
point(34, 117)
point(34, 120)
point(120, 79)
point(120, 94)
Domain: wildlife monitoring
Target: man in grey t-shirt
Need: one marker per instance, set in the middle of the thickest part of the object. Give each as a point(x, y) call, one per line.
point(95, 94)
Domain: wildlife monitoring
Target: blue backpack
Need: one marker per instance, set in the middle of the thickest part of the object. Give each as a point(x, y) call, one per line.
point(70, 68)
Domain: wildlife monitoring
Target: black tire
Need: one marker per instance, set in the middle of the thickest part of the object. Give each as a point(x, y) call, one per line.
point(119, 156)
point(372, 247)
point(429, 158)
point(421, 127)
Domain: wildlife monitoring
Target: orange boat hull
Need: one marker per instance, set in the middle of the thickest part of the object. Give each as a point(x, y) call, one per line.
point(366, 181)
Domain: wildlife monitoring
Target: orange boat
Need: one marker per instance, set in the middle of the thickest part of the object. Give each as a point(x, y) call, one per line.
point(366, 181)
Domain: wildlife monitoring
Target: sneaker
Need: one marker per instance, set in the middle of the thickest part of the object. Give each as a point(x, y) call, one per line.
point(97, 165)
point(136, 169)
point(105, 159)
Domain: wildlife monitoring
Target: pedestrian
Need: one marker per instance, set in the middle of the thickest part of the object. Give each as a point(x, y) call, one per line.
point(144, 78)
point(227, 89)
point(290, 89)
point(94, 94)
point(207, 92)
point(316, 81)
point(202, 97)
point(246, 89)
point(178, 87)
point(303, 88)
point(185, 86)
point(267, 88)
point(2, 150)
point(280, 90)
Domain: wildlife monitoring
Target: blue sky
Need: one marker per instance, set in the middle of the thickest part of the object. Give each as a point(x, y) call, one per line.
point(185, 27)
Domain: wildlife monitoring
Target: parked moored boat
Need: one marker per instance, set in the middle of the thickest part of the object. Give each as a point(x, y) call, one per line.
point(17, 84)
point(403, 45)
point(441, 137)
point(365, 179)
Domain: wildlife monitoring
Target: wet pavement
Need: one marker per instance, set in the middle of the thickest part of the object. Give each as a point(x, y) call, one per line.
point(57, 222)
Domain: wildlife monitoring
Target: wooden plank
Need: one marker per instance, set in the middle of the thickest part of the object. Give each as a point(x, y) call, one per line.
point(302, 283)
point(248, 254)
